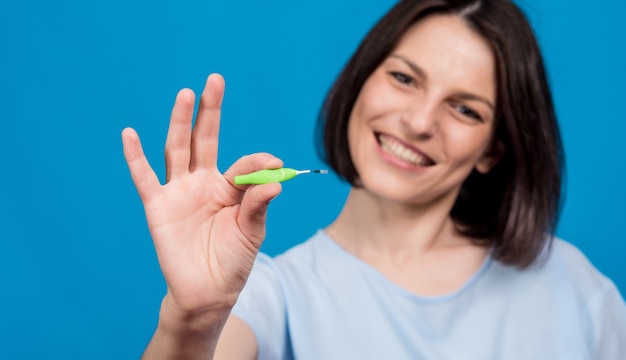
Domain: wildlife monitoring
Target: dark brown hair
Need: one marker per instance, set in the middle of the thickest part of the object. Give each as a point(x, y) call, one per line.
point(513, 208)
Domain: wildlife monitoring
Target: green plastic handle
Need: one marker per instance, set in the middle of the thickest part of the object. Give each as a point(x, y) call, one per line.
point(266, 176)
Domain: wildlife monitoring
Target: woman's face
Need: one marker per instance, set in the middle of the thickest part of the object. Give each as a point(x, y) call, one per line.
point(425, 117)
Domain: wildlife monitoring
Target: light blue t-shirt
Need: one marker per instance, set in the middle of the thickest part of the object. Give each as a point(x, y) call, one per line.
point(317, 301)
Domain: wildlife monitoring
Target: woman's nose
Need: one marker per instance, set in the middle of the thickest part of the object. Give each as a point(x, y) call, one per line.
point(421, 119)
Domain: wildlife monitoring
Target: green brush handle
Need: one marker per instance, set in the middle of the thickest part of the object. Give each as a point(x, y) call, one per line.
point(266, 176)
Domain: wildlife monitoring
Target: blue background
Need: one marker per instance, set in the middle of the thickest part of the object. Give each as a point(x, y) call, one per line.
point(79, 276)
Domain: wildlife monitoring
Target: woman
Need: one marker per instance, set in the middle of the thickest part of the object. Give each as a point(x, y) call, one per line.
point(443, 123)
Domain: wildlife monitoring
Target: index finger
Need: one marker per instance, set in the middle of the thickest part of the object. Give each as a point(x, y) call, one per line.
point(204, 140)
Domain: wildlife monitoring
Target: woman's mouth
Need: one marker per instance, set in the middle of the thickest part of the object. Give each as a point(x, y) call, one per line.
point(400, 151)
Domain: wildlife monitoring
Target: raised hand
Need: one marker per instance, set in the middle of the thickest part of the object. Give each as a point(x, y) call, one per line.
point(206, 230)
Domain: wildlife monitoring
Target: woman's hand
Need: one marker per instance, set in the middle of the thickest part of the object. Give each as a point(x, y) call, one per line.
point(206, 230)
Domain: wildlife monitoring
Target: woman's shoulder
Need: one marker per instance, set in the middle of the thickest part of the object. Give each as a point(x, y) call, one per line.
point(563, 250)
point(567, 260)
point(562, 269)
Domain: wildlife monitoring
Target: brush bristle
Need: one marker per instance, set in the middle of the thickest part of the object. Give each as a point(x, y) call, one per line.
point(320, 171)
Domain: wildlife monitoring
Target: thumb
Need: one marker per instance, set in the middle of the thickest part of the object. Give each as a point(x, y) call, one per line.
point(253, 211)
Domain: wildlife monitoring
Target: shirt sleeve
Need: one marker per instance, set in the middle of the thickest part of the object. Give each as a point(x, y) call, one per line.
point(608, 311)
point(261, 305)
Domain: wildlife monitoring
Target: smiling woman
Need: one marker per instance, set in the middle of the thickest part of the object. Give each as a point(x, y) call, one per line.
point(443, 124)
point(423, 106)
point(525, 149)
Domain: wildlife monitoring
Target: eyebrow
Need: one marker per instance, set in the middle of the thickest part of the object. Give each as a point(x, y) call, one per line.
point(416, 69)
point(462, 95)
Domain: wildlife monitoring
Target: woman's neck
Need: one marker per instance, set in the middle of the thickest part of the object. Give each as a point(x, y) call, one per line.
point(368, 222)
point(418, 248)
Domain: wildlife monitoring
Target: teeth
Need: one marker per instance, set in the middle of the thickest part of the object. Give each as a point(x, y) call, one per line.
point(399, 151)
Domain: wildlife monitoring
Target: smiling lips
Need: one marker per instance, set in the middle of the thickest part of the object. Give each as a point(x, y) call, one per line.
point(400, 151)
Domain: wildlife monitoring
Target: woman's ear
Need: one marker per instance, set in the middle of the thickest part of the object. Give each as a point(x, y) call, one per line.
point(490, 158)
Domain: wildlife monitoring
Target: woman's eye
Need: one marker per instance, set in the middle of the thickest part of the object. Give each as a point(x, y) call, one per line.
point(468, 112)
point(402, 78)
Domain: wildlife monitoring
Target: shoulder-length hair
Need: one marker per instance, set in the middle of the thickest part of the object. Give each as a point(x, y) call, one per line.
point(513, 208)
